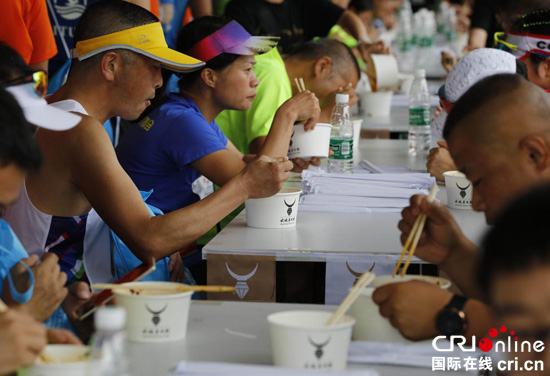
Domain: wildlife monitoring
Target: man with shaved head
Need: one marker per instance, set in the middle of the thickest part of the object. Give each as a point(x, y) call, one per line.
point(499, 136)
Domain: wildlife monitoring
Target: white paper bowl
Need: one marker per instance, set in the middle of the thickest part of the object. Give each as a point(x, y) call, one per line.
point(279, 211)
point(376, 103)
point(459, 190)
point(371, 326)
point(155, 318)
point(385, 69)
point(310, 144)
point(300, 339)
point(66, 366)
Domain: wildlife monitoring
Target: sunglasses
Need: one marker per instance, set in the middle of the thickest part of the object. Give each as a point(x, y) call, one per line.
point(39, 79)
point(501, 44)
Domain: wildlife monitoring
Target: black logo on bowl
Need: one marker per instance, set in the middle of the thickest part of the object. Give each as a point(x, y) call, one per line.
point(156, 314)
point(291, 141)
point(463, 190)
point(289, 210)
point(319, 352)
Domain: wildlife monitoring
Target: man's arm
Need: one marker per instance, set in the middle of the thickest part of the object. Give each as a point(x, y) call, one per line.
point(96, 172)
point(201, 8)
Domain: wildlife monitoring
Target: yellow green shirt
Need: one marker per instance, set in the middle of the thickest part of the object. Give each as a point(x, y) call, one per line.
point(242, 127)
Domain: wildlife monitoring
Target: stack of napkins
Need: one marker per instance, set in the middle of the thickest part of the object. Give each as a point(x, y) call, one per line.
point(365, 191)
point(186, 368)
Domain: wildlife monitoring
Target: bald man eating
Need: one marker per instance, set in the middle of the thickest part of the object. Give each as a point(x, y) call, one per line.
point(499, 136)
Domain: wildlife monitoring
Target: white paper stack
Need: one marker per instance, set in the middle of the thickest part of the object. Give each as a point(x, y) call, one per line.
point(363, 191)
point(186, 368)
point(418, 354)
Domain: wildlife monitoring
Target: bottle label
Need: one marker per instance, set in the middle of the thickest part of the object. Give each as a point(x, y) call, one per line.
point(342, 148)
point(419, 116)
point(425, 42)
point(404, 45)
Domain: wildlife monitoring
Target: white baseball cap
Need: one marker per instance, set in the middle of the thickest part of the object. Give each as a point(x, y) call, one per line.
point(38, 112)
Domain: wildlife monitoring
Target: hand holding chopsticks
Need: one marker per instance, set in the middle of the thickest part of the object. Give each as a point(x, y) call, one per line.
point(352, 296)
point(414, 237)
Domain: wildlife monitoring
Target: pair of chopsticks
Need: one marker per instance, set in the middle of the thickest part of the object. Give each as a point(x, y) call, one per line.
point(414, 237)
point(300, 84)
point(352, 296)
point(168, 288)
point(133, 275)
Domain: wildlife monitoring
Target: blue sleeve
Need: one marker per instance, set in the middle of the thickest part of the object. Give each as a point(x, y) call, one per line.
point(219, 132)
point(190, 137)
point(166, 1)
point(11, 250)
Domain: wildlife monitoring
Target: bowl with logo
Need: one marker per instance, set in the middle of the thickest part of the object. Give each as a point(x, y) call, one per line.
point(302, 339)
point(459, 190)
point(371, 325)
point(308, 144)
point(275, 212)
point(154, 315)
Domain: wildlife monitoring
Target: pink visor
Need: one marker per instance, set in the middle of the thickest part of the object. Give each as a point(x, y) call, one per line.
point(231, 39)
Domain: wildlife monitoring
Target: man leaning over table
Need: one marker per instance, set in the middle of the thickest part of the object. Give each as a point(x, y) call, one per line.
point(499, 136)
point(327, 67)
point(119, 51)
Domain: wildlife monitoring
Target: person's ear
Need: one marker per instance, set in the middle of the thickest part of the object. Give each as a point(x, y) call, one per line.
point(209, 77)
point(543, 71)
point(110, 64)
point(322, 67)
point(537, 151)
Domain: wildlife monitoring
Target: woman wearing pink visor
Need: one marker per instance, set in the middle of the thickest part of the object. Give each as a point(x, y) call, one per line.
point(178, 141)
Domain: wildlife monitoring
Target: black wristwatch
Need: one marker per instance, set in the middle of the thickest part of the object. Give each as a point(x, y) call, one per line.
point(452, 320)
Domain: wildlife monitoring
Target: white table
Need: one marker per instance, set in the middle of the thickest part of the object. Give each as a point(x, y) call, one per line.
point(317, 235)
point(208, 340)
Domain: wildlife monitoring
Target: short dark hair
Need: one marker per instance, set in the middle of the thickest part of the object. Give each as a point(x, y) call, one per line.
point(12, 64)
point(535, 22)
point(341, 55)
point(17, 144)
point(361, 5)
point(193, 33)
point(478, 96)
point(109, 16)
point(511, 9)
point(519, 239)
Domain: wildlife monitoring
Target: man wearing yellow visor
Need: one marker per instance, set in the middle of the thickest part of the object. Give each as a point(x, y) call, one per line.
point(119, 52)
point(529, 40)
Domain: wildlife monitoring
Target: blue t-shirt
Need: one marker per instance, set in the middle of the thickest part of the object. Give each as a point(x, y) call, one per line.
point(157, 153)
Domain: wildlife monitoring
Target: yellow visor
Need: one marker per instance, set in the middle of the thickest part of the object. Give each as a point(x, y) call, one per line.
point(147, 40)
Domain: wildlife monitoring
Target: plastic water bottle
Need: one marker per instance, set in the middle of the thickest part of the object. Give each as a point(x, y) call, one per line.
point(108, 356)
point(341, 137)
point(419, 115)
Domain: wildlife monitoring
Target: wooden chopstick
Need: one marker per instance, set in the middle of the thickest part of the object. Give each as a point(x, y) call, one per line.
point(145, 287)
point(414, 237)
point(3, 306)
point(352, 296)
point(300, 84)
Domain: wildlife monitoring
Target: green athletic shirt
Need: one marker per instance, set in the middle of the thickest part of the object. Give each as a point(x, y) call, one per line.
point(242, 127)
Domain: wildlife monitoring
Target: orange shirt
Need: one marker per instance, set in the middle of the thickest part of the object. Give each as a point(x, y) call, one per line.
point(25, 26)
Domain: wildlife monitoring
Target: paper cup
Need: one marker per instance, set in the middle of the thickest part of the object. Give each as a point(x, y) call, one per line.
point(405, 87)
point(371, 326)
point(315, 143)
point(155, 316)
point(300, 339)
point(383, 71)
point(279, 211)
point(376, 103)
point(73, 361)
point(459, 190)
